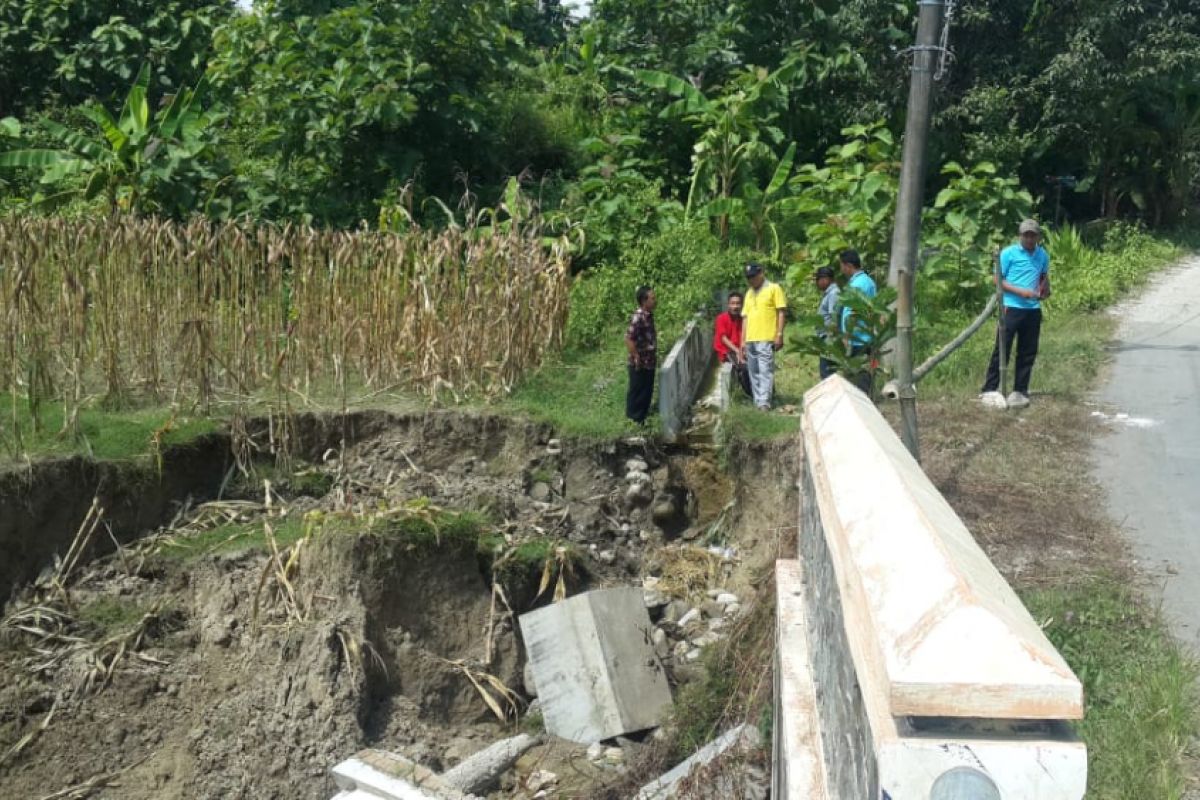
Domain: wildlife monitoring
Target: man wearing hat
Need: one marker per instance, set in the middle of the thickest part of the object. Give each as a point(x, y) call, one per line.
point(762, 332)
point(1024, 276)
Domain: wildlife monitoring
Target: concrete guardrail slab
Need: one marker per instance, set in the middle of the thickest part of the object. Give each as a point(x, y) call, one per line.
point(928, 615)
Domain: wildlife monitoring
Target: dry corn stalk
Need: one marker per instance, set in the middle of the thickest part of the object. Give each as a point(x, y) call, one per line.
point(195, 312)
point(503, 701)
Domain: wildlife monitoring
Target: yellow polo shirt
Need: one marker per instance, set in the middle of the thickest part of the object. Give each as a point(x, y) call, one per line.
point(759, 310)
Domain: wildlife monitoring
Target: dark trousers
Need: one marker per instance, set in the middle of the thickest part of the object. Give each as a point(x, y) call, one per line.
point(1024, 325)
point(863, 378)
point(740, 374)
point(637, 399)
point(826, 367)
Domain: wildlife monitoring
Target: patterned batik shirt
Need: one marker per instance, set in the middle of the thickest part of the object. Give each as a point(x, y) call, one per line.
point(645, 340)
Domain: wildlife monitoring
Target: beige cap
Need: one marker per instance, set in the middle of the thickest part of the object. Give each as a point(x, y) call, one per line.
point(1030, 226)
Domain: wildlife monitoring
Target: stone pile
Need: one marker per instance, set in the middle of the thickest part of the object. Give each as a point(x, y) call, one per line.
point(683, 629)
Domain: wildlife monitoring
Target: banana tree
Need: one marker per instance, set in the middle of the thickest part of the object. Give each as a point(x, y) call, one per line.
point(125, 157)
point(760, 205)
point(736, 131)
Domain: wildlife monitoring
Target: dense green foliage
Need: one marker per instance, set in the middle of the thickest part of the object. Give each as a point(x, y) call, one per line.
point(330, 110)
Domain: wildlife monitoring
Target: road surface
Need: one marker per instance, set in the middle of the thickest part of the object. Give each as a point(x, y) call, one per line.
point(1150, 464)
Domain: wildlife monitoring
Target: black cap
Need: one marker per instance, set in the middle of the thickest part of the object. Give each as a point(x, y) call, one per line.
point(753, 269)
point(825, 272)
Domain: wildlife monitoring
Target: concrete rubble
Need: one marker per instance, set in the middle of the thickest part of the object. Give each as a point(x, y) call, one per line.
point(736, 741)
point(481, 770)
point(595, 669)
point(381, 775)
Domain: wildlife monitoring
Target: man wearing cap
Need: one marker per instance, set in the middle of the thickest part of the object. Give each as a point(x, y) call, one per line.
point(1024, 276)
point(828, 309)
point(762, 332)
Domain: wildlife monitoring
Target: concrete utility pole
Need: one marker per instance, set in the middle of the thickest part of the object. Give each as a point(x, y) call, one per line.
point(906, 236)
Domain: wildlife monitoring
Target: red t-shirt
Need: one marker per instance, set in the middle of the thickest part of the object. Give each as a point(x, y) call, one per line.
point(727, 326)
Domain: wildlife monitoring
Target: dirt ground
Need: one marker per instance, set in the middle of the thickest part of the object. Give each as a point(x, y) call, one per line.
point(195, 664)
point(1021, 484)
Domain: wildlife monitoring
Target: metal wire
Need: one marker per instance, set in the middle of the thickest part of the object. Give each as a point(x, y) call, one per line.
point(944, 43)
point(942, 48)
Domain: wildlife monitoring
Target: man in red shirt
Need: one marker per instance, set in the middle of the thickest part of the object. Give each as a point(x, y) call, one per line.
point(727, 340)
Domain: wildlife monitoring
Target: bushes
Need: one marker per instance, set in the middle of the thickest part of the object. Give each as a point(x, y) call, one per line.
point(686, 266)
point(1086, 278)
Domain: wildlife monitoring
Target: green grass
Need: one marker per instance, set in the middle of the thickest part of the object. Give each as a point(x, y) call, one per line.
point(112, 614)
point(419, 531)
point(307, 481)
point(104, 434)
point(235, 537)
point(1070, 355)
point(1139, 687)
point(581, 393)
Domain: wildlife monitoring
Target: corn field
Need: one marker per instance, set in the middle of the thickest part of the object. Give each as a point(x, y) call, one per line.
point(140, 309)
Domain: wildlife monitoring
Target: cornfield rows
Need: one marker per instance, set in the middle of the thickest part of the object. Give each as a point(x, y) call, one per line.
point(115, 308)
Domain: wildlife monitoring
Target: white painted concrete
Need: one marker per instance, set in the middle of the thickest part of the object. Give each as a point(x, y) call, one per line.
point(594, 666)
point(929, 617)
point(798, 760)
point(680, 376)
point(666, 786)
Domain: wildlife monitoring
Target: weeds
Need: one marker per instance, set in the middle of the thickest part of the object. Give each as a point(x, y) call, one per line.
point(1139, 686)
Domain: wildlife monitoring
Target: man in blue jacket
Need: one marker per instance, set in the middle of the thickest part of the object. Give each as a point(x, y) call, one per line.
point(1024, 275)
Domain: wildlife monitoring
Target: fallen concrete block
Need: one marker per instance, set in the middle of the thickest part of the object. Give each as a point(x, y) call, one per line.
point(480, 771)
point(666, 787)
point(593, 660)
point(380, 775)
point(931, 619)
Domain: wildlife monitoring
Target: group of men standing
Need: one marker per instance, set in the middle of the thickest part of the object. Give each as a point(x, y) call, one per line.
point(747, 334)
point(750, 331)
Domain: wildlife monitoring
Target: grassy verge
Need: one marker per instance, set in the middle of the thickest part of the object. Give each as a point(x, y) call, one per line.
point(1140, 689)
point(794, 375)
point(104, 433)
point(581, 393)
point(1070, 356)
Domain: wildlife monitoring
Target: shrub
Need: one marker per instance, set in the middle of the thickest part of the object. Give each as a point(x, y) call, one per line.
point(686, 266)
point(1086, 278)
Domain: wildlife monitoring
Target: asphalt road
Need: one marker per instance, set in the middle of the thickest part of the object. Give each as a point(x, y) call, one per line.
point(1150, 464)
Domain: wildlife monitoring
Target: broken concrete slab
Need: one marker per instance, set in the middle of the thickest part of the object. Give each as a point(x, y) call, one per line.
point(594, 664)
point(743, 738)
point(380, 775)
point(935, 621)
point(480, 771)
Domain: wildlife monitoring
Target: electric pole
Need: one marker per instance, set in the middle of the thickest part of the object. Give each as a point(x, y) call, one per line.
point(907, 233)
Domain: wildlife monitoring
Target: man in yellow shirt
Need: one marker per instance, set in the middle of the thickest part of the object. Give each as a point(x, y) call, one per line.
point(762, 332)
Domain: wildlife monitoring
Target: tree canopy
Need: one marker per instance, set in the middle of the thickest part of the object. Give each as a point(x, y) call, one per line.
point(644, 114)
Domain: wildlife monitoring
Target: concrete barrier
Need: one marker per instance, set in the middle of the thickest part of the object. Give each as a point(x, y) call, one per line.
point(680, 376)
point(927, 669)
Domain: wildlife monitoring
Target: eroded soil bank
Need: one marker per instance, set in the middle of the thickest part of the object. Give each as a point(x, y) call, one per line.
point(362, 593)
